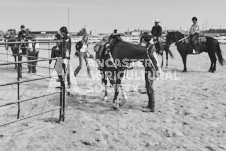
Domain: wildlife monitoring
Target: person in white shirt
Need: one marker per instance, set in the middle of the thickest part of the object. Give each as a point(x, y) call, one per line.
point(194, 34)
point(81, 51)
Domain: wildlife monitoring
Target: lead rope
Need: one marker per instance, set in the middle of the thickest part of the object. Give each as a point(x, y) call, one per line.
point(150, 58)
point(112, 60)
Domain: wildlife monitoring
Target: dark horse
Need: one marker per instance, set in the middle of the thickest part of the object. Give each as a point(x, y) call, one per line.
point(14, 47)
point(166, 49)
point(206, 44)
point(124, 53)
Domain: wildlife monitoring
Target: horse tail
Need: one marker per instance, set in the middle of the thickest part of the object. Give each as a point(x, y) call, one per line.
point(219, 55)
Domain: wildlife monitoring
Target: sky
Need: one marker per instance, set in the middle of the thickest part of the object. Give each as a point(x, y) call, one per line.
point(107, 15)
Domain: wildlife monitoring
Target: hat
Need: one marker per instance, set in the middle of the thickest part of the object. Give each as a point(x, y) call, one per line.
point(156, 21)
point(64, 29)
point(194, 18)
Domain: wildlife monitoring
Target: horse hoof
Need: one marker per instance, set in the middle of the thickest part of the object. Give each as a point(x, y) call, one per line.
point(184, 71)
point(122, 102)
point(115, 106)
point(105, 98)
point(211, 70)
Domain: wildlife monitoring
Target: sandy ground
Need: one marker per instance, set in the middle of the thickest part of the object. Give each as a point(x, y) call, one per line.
point(190, 111)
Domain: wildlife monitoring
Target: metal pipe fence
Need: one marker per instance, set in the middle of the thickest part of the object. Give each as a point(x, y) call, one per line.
point(18, 82)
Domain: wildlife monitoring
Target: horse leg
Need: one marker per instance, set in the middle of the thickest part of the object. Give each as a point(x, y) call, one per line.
point(15, 61)
point(167, 54)
point(117, 84)
point(184, 58)
point(212, 56)
point(214, 63)
point(162, 60)
point(115, 100)
point(121, 88)
point(104, 81)
point(150, 91)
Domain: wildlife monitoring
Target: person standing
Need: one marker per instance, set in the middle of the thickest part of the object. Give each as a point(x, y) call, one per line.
point(157, 33)
point(194, 34)
point(65, 52)
point(21, 38)
point(82, 49)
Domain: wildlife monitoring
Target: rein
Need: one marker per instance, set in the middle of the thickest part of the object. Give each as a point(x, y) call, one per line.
point(180, 40)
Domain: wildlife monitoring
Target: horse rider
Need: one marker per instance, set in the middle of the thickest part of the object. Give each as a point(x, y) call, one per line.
point(22, 35)
point(194, 34)
point(157, 33)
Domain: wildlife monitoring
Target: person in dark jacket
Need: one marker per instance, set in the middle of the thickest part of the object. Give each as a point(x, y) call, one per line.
point(157, 33)
point(65, 50)
point(66, 45)
point(81, 50)
point(22, 34)
point(56, 49)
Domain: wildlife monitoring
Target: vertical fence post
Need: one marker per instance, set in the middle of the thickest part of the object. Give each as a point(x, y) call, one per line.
point(61, 106)
point(18, 87)
point(7, 58)
point(49, 57)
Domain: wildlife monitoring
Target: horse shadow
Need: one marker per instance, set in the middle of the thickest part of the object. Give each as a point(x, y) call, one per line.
point(96, 104)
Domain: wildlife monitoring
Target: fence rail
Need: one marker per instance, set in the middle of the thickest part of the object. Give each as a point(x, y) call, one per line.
point(18, 82)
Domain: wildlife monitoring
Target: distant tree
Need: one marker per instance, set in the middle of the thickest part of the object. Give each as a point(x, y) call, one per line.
point(82, 32)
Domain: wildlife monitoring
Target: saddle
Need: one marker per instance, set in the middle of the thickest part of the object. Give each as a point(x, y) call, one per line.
point(113, 39)
point(201, 40)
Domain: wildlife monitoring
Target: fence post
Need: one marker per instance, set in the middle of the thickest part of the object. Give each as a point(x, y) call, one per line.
point(60, 115)
point(63, 105)
point(18, 87)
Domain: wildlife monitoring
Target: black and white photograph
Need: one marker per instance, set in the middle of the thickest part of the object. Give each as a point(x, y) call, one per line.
point(112, 75)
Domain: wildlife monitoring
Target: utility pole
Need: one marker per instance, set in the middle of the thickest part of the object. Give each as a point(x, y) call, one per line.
point(68, 19)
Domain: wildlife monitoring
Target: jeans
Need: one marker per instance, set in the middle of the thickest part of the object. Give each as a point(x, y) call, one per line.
point(82, 55)
point(194, 40)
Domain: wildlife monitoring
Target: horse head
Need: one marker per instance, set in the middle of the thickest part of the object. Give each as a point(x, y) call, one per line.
point(173, 37)
point(145, 38)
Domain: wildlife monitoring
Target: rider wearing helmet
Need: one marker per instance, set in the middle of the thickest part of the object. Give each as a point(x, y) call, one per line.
point(157, 33)
point(194, 34)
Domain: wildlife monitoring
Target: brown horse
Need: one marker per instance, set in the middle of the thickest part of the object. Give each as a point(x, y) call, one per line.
point(209, 45)
point(124, 53)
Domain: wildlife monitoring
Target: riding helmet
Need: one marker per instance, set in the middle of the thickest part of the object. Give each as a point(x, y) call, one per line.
point(64, 29)
point(194, 18)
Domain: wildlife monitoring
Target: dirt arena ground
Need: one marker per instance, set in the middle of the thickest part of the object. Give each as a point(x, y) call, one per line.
point(190, 111)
